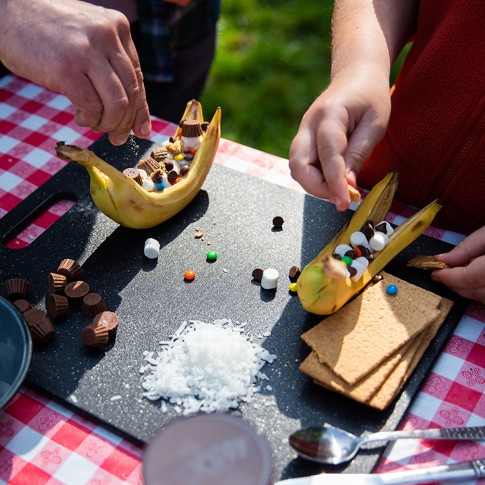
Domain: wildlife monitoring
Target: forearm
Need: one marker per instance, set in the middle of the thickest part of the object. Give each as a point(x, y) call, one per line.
point(368, 35)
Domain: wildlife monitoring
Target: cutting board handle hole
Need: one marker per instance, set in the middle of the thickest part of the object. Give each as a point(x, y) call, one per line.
point(39, 220)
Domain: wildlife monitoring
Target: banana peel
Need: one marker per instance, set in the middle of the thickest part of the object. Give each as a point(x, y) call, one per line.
point(321, 288)
point(124, 201)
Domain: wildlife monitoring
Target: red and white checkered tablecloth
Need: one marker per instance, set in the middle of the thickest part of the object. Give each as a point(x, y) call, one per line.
point(43, 442)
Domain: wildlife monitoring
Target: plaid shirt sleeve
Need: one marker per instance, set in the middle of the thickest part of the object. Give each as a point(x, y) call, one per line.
point(164, 27)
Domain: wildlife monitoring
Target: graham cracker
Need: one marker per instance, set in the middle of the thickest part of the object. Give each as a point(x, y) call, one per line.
point(395, 382)
point(372, 327)
point(380, 387)
point(426, 262)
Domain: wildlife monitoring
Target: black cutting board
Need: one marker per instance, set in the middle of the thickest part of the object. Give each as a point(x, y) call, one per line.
point(235, 213)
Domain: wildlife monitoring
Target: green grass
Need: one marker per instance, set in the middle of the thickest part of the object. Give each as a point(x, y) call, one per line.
point(272, 61)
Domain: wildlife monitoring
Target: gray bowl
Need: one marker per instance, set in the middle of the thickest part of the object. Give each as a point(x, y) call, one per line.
point(15, 351)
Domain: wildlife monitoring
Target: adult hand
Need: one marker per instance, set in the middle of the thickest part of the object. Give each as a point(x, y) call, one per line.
point(82, 51)
point(467, 273)
point(337, 134)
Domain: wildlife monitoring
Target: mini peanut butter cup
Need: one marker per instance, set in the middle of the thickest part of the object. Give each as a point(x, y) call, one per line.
point(93, 303)
point(149, 165)
point(22, 305)
point(57, 306)
point(34, 315)
point(56, 283)
point(16, 288)
point(71, 269)
point(294, 273)
point(109, 319)
point(42, 331)
point(191, 128)
point(76, 291)
point(95, 335)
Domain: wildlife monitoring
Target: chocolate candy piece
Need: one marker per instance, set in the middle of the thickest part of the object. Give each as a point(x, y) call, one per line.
point(160, 154)
point(56, 283)
point(188, 156)
point(149, 165)
point(57, 306)
point(95, 335)
point(168, 165)
point(172, 176)
point(157, 176)
point(22, 305)
point(93, 303)
point(76, 291)
point(71, 269)
point(294, 273)
point(16, 288)
point(133, 173)
point(109, 319)
point(257, 274)
point(191, 128)
point(368, 230)
point(42, 331)
point(278, 222)
point(184, 169)
point(33, 315)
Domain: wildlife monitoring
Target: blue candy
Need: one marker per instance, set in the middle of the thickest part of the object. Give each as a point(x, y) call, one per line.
point(160, 186)
point(391, 289)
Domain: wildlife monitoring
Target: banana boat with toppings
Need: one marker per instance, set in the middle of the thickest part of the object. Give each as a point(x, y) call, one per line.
point(161, 185)
point(364, 246)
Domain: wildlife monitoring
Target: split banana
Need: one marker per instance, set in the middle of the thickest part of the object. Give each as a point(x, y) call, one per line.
point(324, 284)
point(125, 201)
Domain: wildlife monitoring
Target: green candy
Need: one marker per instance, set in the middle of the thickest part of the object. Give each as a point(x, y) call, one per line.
point(347, 260)
point(211, 255)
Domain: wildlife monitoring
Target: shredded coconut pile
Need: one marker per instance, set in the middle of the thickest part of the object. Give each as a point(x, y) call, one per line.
point(205, 367)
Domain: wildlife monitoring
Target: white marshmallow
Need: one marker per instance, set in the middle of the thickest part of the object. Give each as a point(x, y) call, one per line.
point(378, 241)
point(152, 248)
point(191, 142)
point(388, 229)
point(148, 185)
point(143, 173)
point(269, 280)
point(341, 249)
point(358, 239)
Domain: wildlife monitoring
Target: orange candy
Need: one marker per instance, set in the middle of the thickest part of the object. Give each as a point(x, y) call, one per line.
point(189, 275)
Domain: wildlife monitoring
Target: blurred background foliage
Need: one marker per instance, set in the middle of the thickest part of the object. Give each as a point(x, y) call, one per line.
point(272, 61)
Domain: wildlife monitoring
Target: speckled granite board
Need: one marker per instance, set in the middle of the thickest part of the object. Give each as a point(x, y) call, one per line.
point(235, 214)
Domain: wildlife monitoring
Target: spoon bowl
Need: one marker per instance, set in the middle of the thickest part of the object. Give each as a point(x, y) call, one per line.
point(334, 446)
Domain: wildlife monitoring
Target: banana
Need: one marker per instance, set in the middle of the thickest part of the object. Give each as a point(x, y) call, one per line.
point(323, 286)
point(125, 201)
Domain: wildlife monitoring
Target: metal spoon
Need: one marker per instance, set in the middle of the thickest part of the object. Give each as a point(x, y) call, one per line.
point(333, 446)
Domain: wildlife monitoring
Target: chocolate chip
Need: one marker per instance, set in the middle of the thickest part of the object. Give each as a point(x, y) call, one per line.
point(257, 274)
point(278, 222)
point(352, 271)
point(157, 177)
point(377, 278)
point(168, 165)
point(351, 254)
point(336, 256)
point(366, 252)
point(368, 230)
point(294, 273)
point(188, 156)
point(184, 169)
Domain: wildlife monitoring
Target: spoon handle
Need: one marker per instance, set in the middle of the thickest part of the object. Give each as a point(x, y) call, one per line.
point(462, 433)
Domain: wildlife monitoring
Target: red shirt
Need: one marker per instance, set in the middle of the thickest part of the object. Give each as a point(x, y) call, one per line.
point(436, 135)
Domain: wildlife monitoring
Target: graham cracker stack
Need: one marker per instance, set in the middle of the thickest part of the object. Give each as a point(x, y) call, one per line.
point(369, 348)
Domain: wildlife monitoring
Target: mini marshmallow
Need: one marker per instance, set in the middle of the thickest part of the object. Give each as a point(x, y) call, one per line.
point(360, 265)
point(142, 173)
point(148, 185)
point(269, 280)
point(358, 239)
point(152, 248)
point(384, 227)
point(192, 142)
point(378, 241)
point(341, 249)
